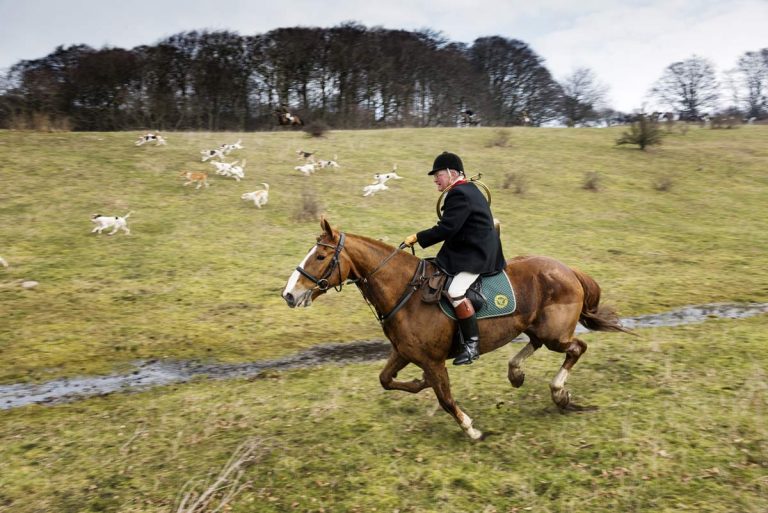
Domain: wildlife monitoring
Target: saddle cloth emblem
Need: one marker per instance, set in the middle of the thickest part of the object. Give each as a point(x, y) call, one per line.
point(500, 298)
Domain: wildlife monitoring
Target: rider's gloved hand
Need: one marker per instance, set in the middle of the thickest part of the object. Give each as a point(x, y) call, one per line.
point(410, 240)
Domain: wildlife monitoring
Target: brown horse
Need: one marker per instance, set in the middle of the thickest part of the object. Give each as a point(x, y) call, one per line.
point(287, 119)
point(551, 299)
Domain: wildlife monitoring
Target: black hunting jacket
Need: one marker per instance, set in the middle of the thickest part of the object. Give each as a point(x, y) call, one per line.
point(471, 243)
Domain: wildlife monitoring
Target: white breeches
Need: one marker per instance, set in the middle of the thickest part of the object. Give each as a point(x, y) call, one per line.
point(459, 286)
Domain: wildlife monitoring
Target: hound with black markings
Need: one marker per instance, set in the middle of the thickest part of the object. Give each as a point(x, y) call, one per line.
point(149, 137)
point(209, 154)
point(114, 222)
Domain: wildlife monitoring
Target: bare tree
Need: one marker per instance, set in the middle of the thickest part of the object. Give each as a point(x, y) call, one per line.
point(688, 86)
point(583, 96)
point(348, 76)
point(521, 89)
point(752, 81)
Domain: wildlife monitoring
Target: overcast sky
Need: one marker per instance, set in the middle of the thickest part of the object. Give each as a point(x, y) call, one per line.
point(627, 43)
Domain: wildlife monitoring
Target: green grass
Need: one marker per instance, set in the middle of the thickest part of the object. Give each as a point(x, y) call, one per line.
point(201, 275)
point(682, 419)
point(681, 427)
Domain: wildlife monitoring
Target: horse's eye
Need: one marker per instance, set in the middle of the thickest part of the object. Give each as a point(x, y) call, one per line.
point(321, 257)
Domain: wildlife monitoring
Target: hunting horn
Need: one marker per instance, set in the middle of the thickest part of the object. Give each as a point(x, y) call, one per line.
point(475, 180)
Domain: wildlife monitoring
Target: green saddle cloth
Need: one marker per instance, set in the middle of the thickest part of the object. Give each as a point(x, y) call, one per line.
point(497, 290)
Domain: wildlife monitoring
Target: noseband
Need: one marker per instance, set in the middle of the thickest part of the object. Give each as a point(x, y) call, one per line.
point(322, 283)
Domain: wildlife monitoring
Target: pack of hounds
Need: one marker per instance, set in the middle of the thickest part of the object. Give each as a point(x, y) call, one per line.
point(235, 169)
point(311, 164)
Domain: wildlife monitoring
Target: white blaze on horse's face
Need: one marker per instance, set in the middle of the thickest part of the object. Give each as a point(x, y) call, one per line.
point(294, 294)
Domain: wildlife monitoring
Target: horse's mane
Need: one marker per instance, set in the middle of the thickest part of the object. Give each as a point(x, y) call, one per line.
point(383, 246)
point(376, 242)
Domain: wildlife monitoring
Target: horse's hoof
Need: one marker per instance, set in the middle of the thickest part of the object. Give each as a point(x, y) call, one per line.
point(561, 397)
point(516, 377)
point(475, 434)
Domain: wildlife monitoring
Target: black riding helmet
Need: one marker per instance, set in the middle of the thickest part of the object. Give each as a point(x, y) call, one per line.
point(447, 160)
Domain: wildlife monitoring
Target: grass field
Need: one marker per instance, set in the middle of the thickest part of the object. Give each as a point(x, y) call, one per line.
point(682, 418)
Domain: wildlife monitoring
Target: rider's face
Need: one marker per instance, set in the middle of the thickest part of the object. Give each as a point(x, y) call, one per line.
point(442, 179)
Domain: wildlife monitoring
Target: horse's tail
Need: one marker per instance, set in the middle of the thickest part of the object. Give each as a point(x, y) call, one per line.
point(594, 316)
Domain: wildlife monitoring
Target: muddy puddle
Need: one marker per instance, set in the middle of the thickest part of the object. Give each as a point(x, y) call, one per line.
point(147, 374)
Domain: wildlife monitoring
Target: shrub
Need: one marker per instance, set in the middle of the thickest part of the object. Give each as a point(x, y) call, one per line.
point(591, 181)
point(643, 132)
point(724, 121)
point(310, 208)
point(39, 122)
point(316, 128)
point(516, 182)
point(500, 139)
point(663, 184)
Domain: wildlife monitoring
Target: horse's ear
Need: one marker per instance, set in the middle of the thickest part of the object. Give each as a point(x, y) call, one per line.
point(326, 226)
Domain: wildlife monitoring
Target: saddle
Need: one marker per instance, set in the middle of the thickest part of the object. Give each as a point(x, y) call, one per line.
point(435, 288)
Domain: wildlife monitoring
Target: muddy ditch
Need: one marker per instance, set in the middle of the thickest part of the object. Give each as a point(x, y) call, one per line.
point(151, 373)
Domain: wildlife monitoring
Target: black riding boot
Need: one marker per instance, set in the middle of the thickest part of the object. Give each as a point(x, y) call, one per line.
point(471, 339)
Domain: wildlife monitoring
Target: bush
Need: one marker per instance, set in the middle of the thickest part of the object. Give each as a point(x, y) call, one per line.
point(39, 122)
point(591, 181)
point(310, 208)
point(663, 184)
point(643, 132)
point(500, 139)
point(516, 182)
point(724, 121)
point(316, 128)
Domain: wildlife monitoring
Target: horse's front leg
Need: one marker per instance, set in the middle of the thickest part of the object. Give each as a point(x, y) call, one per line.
point(437, 375)
point(395, 363)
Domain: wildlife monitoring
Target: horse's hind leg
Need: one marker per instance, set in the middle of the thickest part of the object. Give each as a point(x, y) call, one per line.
point(515, 373)
point(573, 350)
point(437, 376)
point(395, 363)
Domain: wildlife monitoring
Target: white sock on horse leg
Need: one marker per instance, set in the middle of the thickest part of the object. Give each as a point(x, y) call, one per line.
point(559, 381)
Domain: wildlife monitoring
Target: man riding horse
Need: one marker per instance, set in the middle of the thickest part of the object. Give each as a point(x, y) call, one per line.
point(471, 245)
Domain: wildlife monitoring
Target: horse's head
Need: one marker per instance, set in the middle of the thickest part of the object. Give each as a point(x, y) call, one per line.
point(320, 270)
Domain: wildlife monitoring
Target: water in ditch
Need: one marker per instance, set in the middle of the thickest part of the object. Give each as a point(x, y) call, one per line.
point(163, 372)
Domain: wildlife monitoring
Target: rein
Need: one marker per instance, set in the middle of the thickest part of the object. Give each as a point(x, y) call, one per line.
point(323, 284)
point(412, 286)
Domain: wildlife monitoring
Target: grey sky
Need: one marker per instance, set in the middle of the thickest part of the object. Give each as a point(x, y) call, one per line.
point(627, 43)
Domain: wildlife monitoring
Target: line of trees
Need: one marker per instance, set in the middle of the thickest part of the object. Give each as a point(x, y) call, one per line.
point(691, 89)
point(348, 76)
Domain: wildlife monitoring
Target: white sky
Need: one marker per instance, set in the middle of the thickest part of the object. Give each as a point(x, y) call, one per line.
point(627, 43)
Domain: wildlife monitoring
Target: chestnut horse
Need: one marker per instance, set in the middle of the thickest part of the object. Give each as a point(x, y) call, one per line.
point(551, 299)
point(287, 119)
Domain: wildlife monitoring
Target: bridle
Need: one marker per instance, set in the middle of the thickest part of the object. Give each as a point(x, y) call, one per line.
point(322, 283)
